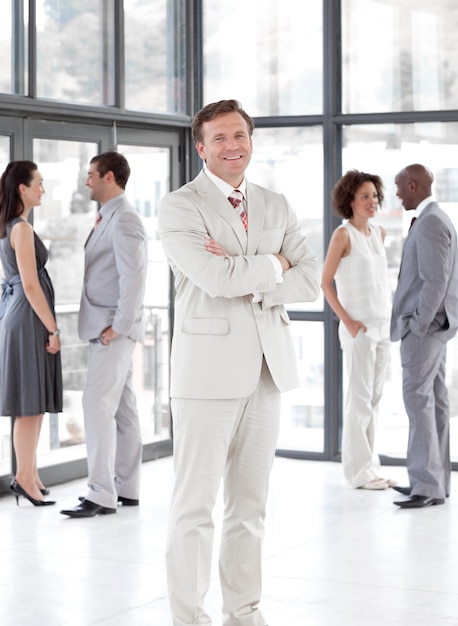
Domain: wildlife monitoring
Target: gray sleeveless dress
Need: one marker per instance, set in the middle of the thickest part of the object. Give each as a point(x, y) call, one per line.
point(30, 378)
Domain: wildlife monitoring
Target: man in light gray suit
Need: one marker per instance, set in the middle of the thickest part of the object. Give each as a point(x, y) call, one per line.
point(236, 262)
point(424, 318)
point(111, 319)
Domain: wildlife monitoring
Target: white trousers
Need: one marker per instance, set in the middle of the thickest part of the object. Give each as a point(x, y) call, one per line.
point(234, 440)
point(113, 437)
point(366, 359)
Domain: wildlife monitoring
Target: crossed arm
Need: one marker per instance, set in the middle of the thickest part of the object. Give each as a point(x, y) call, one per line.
point(215, 248)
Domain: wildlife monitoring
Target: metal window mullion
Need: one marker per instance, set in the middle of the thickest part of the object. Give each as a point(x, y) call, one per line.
point(32, 51)
point(332, 147)
point(119, 51)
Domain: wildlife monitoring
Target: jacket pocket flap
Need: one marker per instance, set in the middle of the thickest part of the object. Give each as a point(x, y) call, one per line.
point(205, 326)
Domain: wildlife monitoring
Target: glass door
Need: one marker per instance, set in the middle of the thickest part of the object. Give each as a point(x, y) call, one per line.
point(152, 176)
point(285, 160)
point(5, 424)
point(63, 221)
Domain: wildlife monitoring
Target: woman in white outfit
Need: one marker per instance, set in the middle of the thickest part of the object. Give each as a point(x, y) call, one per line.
point(356, 261)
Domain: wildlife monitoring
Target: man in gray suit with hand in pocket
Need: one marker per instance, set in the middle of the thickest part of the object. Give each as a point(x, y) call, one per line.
point(111, 318)
point(424, 318)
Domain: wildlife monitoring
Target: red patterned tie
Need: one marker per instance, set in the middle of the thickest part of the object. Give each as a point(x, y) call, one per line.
point(235, 199)
point(98, 217)
point(412, 222)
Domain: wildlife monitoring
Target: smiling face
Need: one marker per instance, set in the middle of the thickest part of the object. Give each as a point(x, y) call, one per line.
point(226, 147)
point(366, 201)
point(404, 190)
point(96, 184)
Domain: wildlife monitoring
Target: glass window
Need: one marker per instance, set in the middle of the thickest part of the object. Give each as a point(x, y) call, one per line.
point(302, 416)
point(385, 150)
point(5, 148)
point(396, 55)
point(148, 183)
point(13, 47)
point(64, 221)
point(6, 47)
point(66, 214)
point(5, 422)
point(154, 55)
point(264, 53)
point(290, 161)
point(72, 67)
point(5, 446)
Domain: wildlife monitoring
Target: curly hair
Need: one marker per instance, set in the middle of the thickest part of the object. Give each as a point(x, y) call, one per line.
point(210, 111)
point(346, 187)
point(11, 205)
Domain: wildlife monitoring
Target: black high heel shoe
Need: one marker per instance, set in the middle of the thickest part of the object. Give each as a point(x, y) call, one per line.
point(19, 491)
point(45, 491)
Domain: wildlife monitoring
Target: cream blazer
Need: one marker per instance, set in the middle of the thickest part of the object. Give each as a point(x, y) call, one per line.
point(220, 335)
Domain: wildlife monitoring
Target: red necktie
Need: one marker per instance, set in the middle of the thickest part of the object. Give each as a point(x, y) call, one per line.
point(412, 222)
point(98, 217)
point(235, 199)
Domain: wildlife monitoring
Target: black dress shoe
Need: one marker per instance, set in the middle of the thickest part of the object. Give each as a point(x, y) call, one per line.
point(128, 501)
point(406, 491)
point(124, 501)
point(418, 502)
point(88, 509)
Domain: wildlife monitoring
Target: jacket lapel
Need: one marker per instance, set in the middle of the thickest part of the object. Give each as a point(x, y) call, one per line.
point(215, 201)
point(95, 235)
point(256, 214)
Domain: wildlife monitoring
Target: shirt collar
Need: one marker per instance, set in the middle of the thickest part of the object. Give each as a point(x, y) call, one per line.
point(423, 204)
point(110, 204)
point(224, 187)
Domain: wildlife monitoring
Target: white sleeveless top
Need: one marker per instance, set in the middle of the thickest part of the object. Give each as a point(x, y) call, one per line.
point(362, 276)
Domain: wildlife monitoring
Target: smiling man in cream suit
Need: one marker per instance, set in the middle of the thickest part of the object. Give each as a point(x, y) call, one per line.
point(425, 318)
point(232, 355)
point(111, 319)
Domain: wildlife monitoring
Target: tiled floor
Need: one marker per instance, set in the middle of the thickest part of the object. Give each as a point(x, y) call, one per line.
point(333, 556)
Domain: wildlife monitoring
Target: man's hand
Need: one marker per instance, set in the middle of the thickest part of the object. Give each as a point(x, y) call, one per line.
point(285, 264)
point(108, 335)
point(215, 248)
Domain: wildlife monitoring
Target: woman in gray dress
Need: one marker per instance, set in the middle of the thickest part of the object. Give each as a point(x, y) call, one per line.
point(30, 366)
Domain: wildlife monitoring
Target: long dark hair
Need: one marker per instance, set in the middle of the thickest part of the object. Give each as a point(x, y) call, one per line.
point(11, 205)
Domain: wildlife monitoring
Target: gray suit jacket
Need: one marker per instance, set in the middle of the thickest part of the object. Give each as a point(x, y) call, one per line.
point(115, 272)
point(426, 297)
point(220, 335)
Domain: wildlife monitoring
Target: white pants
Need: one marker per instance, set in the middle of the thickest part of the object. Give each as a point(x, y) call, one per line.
point(234, 440)
point(113, 437)
point(366, 359)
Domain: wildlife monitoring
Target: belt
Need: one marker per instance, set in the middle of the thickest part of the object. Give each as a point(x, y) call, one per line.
point(7, 289)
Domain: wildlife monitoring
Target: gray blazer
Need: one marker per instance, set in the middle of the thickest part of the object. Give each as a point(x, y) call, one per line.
point(114, 275)
point(220, 335)
point(426, 297)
